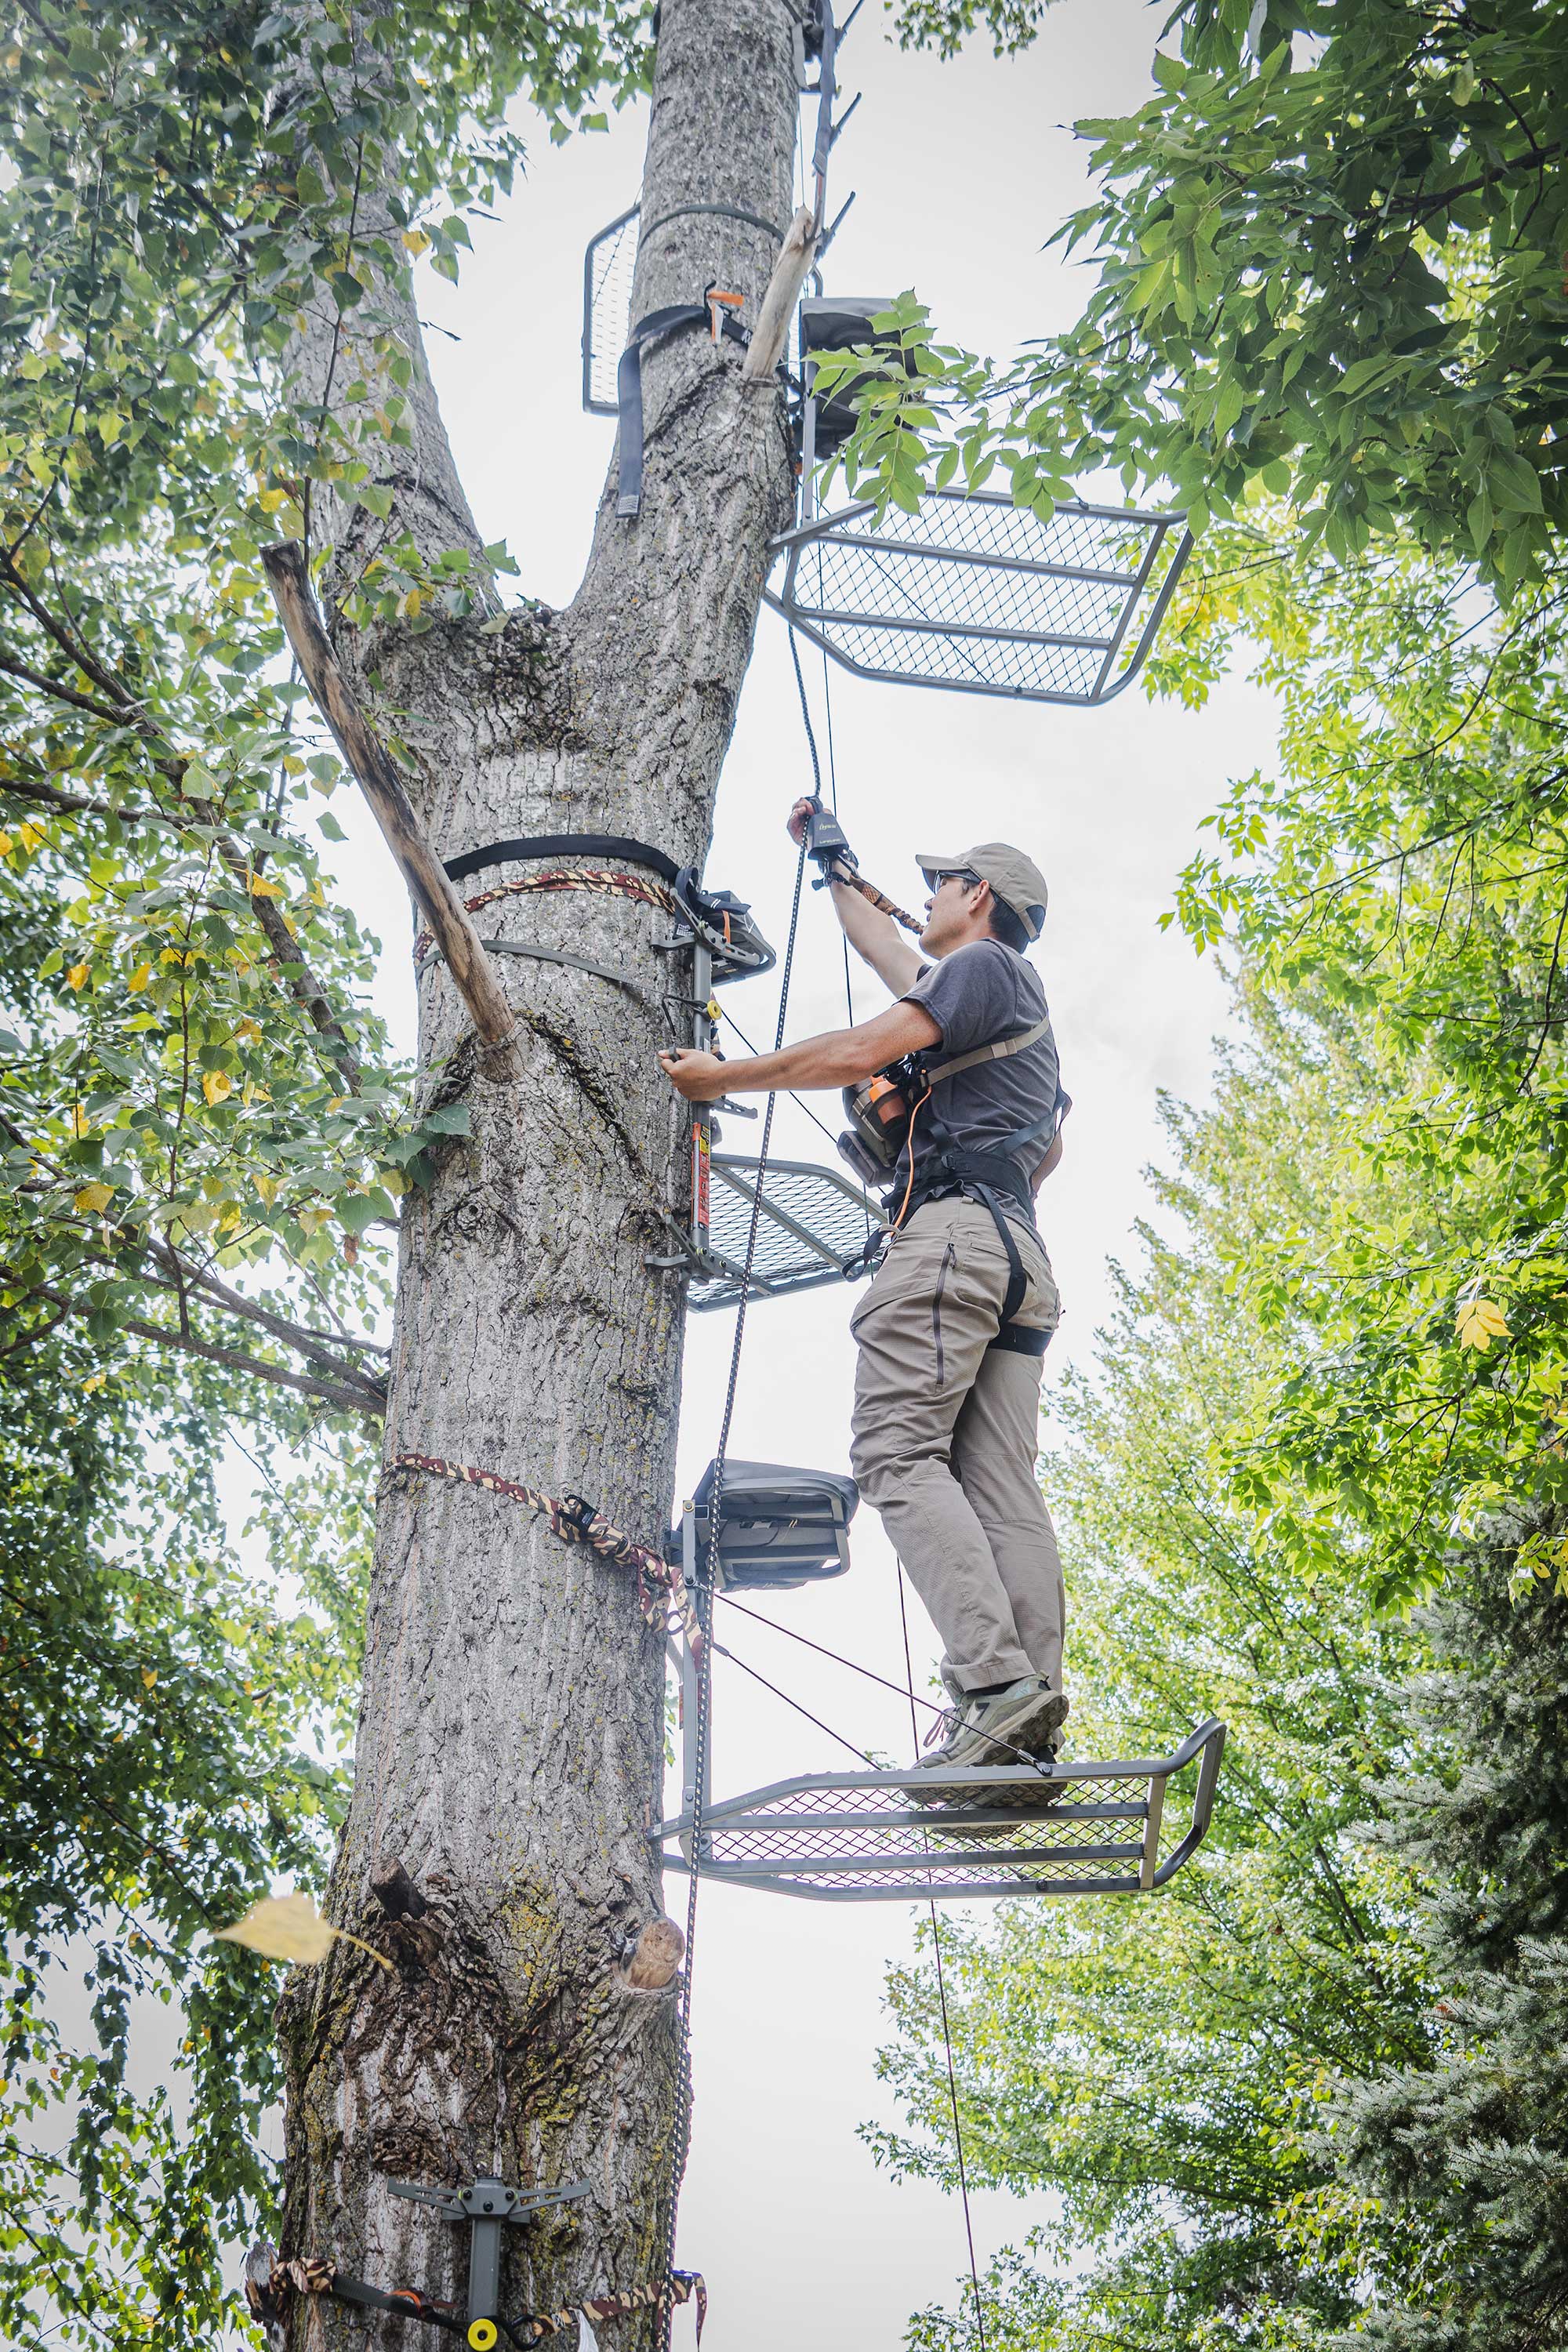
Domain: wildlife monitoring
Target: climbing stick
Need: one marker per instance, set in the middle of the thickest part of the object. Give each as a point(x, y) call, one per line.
point(375, 772)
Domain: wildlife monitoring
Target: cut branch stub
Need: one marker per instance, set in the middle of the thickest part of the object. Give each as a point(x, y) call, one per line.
point(778, 303)
point(396, 1891)
point(375, 772)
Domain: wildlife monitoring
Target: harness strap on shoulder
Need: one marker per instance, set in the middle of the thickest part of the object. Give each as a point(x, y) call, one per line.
point(996, 1052)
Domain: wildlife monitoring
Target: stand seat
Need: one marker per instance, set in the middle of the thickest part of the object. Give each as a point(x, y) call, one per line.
point(778, 1527)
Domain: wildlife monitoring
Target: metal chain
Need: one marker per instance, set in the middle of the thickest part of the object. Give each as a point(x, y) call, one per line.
point(706, 1589)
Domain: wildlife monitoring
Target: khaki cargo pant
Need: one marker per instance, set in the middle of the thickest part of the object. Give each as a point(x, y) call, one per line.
point(944, 1440)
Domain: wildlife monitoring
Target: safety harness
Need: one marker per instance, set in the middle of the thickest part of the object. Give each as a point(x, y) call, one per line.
point(985, 1176)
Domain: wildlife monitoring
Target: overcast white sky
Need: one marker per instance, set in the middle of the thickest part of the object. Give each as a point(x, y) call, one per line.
point(962, 172)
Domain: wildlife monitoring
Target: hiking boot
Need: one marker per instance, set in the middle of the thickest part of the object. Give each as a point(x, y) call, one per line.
point(1008, 1726)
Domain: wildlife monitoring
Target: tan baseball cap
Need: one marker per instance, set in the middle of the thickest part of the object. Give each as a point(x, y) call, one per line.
point(1016, 879)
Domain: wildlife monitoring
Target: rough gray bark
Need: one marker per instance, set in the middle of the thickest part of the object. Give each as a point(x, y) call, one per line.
point(509, 1751)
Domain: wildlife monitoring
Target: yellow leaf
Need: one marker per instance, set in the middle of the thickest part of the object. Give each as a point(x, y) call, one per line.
point(267, 1186)
point(248, 1033)
point(94, 1197)
point(1478, 1322)
point(77, 976)
point(5, 844)
point(81, 1123)
point(289, 1928)
point(29, 835)
point(415, 240)
point(270, 500)
point(408, 607)
point(261, 888)
point(139, 979)
point(149, 1675)
point(93, 1381)
point(218, 1087)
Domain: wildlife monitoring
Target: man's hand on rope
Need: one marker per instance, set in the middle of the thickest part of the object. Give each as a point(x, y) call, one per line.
point(701, 1077)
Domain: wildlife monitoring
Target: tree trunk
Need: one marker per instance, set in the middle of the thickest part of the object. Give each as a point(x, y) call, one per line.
point(511, 1741)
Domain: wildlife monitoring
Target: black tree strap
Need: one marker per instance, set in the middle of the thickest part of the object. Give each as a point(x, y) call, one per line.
point(562, 845)
point(629, 380)
point(724, 212)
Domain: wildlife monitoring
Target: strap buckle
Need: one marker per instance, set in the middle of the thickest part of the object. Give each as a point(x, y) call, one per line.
point(718, 301)
point(578, 1514)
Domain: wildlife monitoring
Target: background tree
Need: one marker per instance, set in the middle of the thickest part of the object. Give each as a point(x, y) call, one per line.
point(1308, 1416)
point(1470, 2151)
point(210, 340)
point(1327, 265)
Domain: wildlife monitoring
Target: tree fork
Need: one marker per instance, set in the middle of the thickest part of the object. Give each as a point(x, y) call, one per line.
point(511, 1743)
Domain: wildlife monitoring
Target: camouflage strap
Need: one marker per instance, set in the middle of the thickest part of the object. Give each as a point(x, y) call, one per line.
point(607, 880)
point(878, 898)
point(681, 2287)
point(573, 1521)
point(313, 2274)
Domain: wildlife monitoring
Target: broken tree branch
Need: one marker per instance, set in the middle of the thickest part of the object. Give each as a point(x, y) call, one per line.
point(778, 304)
point(374, 770)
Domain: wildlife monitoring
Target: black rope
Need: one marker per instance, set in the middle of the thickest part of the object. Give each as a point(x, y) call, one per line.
point(794, 1098)
point(705, 1589)
point(941, 1999)
point(724, 212)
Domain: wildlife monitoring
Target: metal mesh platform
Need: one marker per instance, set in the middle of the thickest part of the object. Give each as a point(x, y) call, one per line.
point(814, 1227)
point(608, 268)
point(975, 593)
point(839, 1837)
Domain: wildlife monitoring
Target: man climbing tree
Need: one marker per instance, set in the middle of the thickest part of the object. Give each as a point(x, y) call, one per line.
point(953, 1330)
point(199, 1094)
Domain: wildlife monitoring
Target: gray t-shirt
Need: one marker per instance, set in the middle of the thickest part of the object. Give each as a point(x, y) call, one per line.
point(980, 995)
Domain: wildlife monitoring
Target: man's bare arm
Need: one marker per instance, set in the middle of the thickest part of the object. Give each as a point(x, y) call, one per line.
point(841, 1058)
point(877, 940)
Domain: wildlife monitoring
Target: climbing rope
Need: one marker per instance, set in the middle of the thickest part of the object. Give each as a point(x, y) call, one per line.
point(574, 1520)
point(888, 907)
point(705, 1607)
